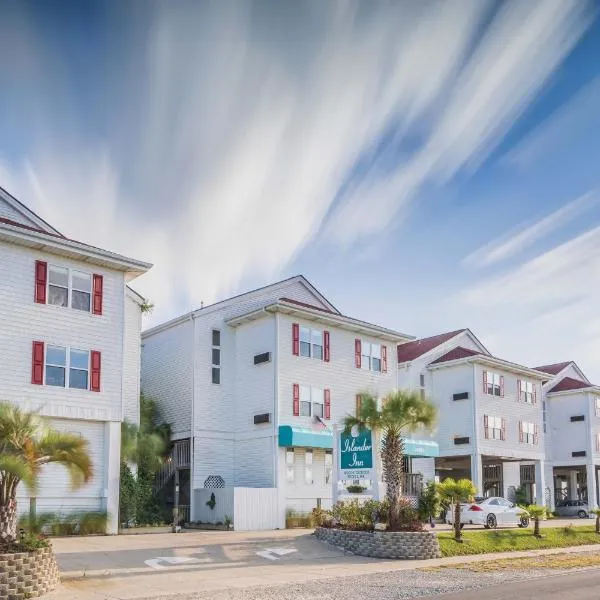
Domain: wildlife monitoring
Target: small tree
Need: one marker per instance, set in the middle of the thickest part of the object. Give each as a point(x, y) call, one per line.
point(596, 511)
point(429, 502)
point(400, 412)
point(454, 492)
point(536, 513)
point(26, 445)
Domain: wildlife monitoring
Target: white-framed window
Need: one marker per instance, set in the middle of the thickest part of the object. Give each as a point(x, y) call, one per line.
point(370, 359)
point(216, 356)
point(311, 343)
point(308, 467)
point(305, 401)
point(544, 414)
point(328, 466)
point(494, 427)
point(69, 287)
point(527, 392)
point(422, 386)
point(67, 367)
point(528, 430)
point(493, 383)
point(597, 406)
point(312, 401)
point(289, 465)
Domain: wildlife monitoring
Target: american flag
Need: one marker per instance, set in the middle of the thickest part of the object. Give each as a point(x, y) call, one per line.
point(320, 425)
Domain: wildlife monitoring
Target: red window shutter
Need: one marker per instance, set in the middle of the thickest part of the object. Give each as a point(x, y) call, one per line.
point(358, 405)
point(502, 386)
point(357, 352)
point(326, 346)
point(534, 393)
point(96, 364)
point(327, 395)
point(521, 431)
point(37, 363)
point(535, 434)
point(41, 278)
point(518, 390)
point(384, 359)
point(485, 387)
point(486, 428)
point(503, 430)
point(295, 339)
point(598, 442)
point(97, 293)
point(296, 404)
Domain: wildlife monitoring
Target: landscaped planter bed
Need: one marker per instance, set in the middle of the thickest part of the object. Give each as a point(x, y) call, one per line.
point(144, 530)
point(28, 574)
point(407, 545)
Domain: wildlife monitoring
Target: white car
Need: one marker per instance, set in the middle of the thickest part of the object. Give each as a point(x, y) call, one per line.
point(490, 512)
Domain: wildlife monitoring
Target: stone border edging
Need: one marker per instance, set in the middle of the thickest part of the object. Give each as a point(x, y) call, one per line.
point(407, 545)
point(28, 574)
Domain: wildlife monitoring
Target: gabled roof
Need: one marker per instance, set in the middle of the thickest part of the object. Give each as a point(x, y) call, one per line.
point(412, 350)
point(455, 354)
point(321, 316)
point(570, 384)
point(554, 369)
point(27, 214)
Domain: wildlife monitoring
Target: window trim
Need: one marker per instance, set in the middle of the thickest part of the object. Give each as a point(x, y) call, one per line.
point(215, 368)
point(70, 287)
point(67, 366)
point(310, 343)
point(369, 357)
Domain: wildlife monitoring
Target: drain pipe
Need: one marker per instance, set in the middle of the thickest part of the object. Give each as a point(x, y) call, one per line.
point(192, 424)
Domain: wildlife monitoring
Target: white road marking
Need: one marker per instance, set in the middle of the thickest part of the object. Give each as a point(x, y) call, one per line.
point(269, 553)
point(156, 563)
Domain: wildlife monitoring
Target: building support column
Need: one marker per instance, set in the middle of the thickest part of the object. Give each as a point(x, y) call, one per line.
point(511, 479)
point(540, 484)
point(477, 473)
point(592, 486)
point(549, 475)
point(573, 485)
point(112, 440)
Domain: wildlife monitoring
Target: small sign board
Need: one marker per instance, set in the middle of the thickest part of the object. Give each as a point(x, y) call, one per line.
point(356, 454)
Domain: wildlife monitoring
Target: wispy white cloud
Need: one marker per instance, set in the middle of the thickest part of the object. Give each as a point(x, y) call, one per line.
point(579, 115)
point(523, 237)
point(229, 129)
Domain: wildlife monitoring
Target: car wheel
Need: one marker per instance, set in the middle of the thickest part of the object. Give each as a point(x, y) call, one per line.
point(524, 522)
point(491, 522)
point(582, 514)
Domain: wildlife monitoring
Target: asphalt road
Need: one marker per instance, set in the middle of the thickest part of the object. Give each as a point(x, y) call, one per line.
point(581, 585)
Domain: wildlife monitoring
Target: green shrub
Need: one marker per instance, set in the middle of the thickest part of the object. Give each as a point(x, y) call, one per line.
point(56, 524)
point(92, 522)
point(355, 489)
point(26, 543)
point(429, 502)
point(294, 519)
point(408, 517)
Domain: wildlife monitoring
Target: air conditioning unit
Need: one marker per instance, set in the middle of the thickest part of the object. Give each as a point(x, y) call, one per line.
point(461, 396)
point(265, 357)
point(262, 418)
point(461, 440)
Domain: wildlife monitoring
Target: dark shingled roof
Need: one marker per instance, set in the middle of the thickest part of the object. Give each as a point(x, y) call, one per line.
point(554, 369)
point(455, 354)
point(412, 350)
point(568, 383)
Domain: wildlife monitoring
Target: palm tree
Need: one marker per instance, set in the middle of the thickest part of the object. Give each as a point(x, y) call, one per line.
point(27, 443)
point(454, 492)
point(400, 412)
point(536, 513)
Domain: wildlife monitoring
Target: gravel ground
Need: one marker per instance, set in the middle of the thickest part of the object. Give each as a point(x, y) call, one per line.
point(381, 586)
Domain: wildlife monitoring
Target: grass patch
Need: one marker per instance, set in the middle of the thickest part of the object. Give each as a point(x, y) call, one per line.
point(507, 540)
point(549, 561)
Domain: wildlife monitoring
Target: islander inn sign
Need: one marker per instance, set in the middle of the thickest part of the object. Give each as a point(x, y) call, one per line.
point(356, 455)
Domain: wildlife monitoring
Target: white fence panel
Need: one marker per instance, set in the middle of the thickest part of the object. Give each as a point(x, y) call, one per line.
point(255, 509)
point(224, 505)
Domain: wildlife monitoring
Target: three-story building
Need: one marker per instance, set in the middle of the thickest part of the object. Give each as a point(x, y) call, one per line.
point(490, 412)
point(257, 382)
point(70, 340)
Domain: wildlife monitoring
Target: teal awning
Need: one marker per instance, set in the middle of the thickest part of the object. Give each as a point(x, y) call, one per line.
point(421, 448)
point(304, 437)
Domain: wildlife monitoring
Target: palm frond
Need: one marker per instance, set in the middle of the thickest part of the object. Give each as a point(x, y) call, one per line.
point(69, 450)
point(18, 468)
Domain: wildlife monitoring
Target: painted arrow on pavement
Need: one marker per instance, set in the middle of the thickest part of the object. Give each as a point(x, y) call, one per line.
point(275, 553)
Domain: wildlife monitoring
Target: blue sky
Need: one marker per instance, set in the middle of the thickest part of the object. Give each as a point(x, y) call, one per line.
point(427, 165)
